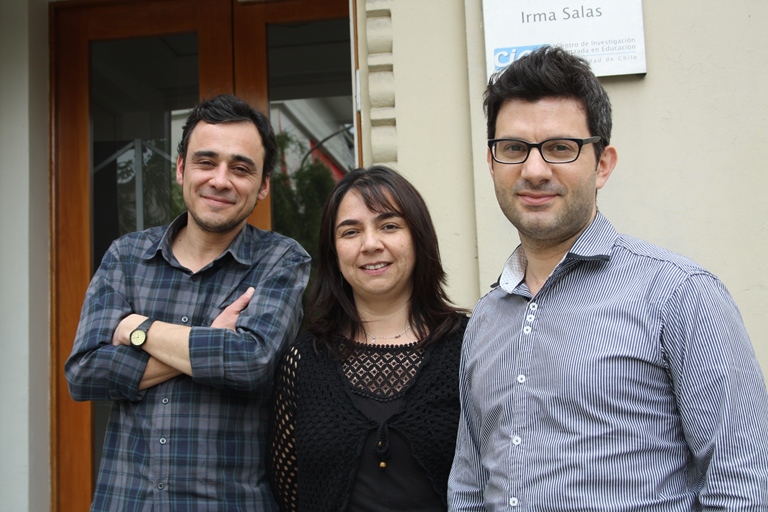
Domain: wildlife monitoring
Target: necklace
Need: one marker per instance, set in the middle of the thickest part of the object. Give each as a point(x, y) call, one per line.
point(374, 338)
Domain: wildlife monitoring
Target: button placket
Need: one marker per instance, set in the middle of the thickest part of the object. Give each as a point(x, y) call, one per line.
point(530, 317)
point(526, 351)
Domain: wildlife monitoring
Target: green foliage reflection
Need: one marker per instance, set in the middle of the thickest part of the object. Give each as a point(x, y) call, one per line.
point(298, 195)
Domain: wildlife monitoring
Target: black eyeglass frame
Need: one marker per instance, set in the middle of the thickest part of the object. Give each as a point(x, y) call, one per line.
point(538, 145)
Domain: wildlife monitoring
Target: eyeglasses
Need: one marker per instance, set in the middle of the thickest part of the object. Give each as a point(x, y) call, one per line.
point(554, 151)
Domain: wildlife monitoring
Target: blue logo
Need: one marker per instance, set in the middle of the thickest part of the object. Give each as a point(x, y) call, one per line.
point(503, 57)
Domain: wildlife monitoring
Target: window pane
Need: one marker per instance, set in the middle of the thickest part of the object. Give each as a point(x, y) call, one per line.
point(141, 90)
point(310, 92)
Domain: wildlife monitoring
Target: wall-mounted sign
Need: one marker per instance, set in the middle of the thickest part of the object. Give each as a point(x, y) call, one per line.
point(608, 33)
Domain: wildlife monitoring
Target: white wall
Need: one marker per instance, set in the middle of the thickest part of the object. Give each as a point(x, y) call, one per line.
point(24, 277)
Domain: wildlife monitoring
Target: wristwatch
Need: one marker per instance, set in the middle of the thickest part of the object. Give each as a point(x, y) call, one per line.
point(139, 334)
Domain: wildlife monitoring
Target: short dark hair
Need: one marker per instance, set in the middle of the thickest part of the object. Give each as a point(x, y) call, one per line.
point(331, 310)
point(547, 72)
point(226, 108)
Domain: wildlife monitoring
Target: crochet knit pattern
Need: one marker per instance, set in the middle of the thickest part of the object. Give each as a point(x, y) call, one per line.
point(318, 433)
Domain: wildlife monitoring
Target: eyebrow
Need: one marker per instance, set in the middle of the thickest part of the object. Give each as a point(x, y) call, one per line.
point(379, 217)
point(213, 154)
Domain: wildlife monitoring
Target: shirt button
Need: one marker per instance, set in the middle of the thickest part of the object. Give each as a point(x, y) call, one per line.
point(530, 318)
point(527, 329)
point(513, 501)
point(521, 378)
point(163, 440)
point(165, 400)
point(161, 486)
point(533, 306)
point(184, 319)
point(516, 440)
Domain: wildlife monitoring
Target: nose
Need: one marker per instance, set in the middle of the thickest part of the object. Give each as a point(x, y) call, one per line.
point(535, 169)
point(220, 177)
point(370, 240)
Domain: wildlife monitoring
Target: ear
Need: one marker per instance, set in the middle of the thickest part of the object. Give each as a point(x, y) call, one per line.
point(606, 165)
point(489, 159)
point(180, 170)
point(264, 189)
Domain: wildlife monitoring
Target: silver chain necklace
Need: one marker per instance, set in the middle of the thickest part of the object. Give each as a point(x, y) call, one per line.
point(374, 338)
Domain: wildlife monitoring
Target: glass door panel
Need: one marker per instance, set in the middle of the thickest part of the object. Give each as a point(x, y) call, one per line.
point(141, 90)
point(311, 108)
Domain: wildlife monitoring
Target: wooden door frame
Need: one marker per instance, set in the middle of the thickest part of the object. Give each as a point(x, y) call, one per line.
point(225, 67)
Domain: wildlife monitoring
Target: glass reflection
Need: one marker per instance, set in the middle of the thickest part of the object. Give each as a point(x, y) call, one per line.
point(140, 92)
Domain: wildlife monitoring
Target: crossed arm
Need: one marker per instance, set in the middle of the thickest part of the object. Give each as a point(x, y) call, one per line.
point(168, 344)
point(219, 354)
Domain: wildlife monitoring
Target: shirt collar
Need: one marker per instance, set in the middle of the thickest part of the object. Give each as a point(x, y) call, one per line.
point(595, 243)
point(239, 250)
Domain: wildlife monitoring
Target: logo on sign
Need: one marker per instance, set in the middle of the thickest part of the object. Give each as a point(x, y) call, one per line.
point(503, 57)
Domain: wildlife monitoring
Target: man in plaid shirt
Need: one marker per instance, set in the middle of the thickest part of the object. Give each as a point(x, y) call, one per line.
point(182, 326)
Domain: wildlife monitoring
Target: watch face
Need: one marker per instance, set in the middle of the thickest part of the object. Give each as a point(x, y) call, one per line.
point(138, 337)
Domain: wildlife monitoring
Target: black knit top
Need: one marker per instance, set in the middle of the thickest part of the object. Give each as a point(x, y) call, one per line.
point(330, 414)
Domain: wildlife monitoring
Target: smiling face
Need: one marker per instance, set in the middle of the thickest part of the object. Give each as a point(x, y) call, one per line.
point(375, 251)
point(549, 204)
point(221, 177)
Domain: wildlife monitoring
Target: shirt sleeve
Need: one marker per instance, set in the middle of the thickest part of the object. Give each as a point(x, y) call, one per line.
point(283, 462)
point(245, 359)
point(96, 369)
point(720, 392)
point(467, 478)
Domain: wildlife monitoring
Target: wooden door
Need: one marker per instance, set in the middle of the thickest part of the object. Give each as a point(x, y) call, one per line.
point(231, 58)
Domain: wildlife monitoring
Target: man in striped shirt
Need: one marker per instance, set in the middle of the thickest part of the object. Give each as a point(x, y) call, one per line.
point(602, 373)
point(182, 327)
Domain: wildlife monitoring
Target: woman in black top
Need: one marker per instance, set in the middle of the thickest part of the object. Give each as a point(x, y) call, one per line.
point(366, 402)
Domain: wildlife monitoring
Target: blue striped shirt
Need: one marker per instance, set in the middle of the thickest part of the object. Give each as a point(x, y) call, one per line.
point(191, 443)
point(628, 383)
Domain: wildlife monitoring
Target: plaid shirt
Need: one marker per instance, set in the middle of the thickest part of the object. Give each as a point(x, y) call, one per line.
point(191, 443)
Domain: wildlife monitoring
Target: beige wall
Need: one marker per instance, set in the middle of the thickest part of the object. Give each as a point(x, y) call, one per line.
point(692, 137)
point(702, 190)
point(416, 117)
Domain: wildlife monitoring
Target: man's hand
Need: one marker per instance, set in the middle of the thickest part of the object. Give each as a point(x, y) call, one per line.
point(228, 317)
